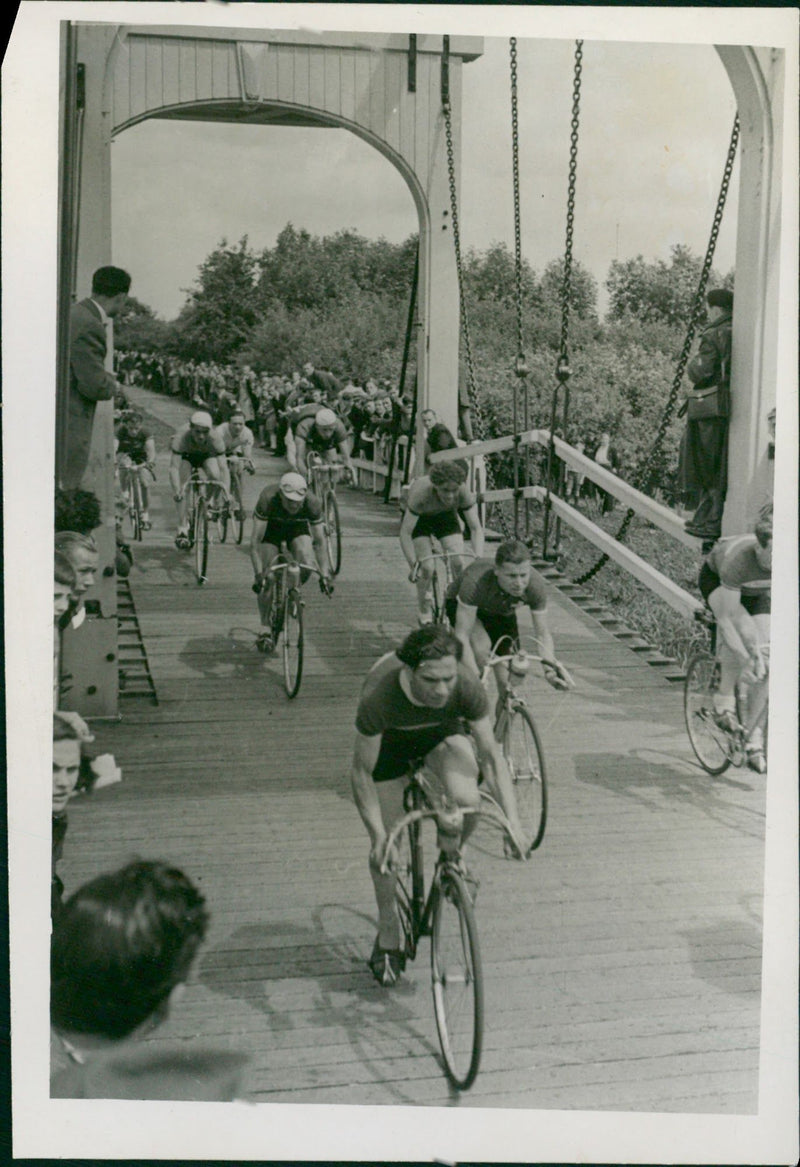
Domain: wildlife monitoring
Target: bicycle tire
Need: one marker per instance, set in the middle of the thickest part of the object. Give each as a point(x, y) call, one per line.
point(457, 980)
point(223, 515)
point(404, 895)
point(276, 620)
point(439, 585)
point(200, 541)
point(522, 749)
point(708, 741)
point(237, 516)
point(333, 532)
point(133, 513)
point(292, 642)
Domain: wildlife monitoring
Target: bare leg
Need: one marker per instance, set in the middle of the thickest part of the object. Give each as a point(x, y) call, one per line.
point(390, 796)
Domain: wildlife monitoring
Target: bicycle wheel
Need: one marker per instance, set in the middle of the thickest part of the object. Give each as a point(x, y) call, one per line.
point(237, 515)
point(522, 748)
point(292, 642)
point(200, 533)
point(404, 892)
point(333, 532)
point(457, 980)
point(134, 509)
point(439, 591)
point(709, 742)
point(223, 515)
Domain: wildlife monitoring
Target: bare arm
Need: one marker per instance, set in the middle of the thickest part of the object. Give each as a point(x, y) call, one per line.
point(406, 542)
point(475, 530)
point(321, 549)
point(365, 758)
point(175, 474)
point(544, 636)
point(259, 529)
point(300, 455)
point(465, 622)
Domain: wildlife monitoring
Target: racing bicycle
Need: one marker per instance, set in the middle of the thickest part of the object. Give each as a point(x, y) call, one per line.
point(286, 616)
point(131, 474)
point(446, 914)
point(443, 576)
point(232, 512)
point(205, 499)
point(324, 476)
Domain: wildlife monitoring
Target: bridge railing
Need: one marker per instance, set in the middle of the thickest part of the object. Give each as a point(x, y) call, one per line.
point(648, 508)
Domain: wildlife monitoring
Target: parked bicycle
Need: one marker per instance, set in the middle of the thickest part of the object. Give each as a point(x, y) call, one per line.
point(515, 730)
point(446, 915)
point(205, 500)
point(716, 744)
point(443, 576)
point(134, 487)
point(286, 615)
point(324, 476)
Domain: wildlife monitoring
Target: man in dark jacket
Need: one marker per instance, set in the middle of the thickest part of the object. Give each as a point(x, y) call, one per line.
point(89, 382)
point(704, 446)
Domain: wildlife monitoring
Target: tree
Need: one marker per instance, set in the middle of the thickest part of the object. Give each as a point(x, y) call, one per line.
point(220, 313)
point(138, 329)
point(656, 292)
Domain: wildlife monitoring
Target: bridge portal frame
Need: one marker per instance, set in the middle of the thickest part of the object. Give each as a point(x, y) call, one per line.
point(386, 89)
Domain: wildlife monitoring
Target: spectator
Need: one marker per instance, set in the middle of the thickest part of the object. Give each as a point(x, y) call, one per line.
point(122, 950)
point(89, 381)
point(703, 467)
point(606, 456)
point(66, 767)
point(64, 583)
point(77, 510)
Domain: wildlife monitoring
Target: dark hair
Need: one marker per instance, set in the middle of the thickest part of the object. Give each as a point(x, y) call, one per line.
point(763, 528)
point(63, 571)
point(67, 541)
point(512, 551)
point(110, 281)
point(237, 413)
point(122, 943)
point(448, 473)
point(77, 510)
point(64, 731)
point(431, 642)
point(440, 438)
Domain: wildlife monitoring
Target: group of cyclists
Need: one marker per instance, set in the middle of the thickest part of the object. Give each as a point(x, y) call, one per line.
point(425, 701)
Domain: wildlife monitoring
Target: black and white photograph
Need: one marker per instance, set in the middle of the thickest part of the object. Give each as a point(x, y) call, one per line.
point(415, 390)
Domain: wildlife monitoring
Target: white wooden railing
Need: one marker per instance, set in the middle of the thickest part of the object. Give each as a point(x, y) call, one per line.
point(654, 512)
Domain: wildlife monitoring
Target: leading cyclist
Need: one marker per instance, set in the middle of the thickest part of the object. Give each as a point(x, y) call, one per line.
point(736, 583)
point(287, 513)
point(238, 440)
point(134, 446)
point(419, 703)
point(325, 435)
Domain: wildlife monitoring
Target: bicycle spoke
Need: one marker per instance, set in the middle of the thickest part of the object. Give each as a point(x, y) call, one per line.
point(709, 741)
point(293, 642)
point(525, 757)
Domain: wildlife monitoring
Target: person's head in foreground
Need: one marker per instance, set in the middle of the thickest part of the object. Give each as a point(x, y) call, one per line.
point(64, 581)
point(293, 488)
point(121, 948)
point(81, 553)
point(431, 655)
point(66, 763)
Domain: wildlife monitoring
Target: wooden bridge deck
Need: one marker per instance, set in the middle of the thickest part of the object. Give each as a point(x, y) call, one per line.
point(623, 964)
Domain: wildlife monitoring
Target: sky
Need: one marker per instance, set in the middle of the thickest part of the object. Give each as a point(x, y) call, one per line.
point(655, 123)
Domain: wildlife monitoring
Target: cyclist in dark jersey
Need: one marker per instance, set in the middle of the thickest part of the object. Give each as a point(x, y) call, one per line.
point(287, 513)
point(736, 583)
point(483, 606)
point(325, 435)
point(133, 445)
point(417, 703)
point(432, 509)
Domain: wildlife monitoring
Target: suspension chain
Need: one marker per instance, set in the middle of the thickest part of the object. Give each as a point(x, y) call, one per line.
point(475, 405)
point(566, 284)
point(647, 471)
point(517, 213)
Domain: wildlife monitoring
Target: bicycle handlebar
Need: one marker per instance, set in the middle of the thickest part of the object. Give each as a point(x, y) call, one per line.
point(452, 818)
point(445, 555)
point(136, 468)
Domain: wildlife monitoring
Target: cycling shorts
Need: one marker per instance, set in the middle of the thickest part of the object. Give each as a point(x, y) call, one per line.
point(397, 754)
point(756, 603)
point(280, 531)
point(440, 524)
point(197, 459)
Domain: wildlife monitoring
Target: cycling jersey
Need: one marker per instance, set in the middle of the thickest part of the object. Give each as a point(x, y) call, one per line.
point(409, 732)
point(307, 431)
point(242, 443)
point(133, 445)
point(423, 499)
point(194, 449)
point(478, 587)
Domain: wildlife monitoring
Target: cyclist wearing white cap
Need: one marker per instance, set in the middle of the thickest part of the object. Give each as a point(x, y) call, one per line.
point(325, 435)
point(287, 513)
point(196, 444)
